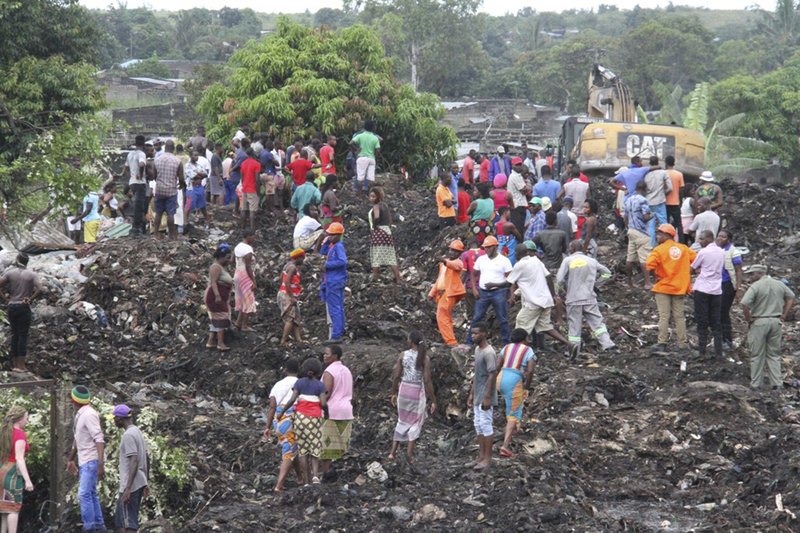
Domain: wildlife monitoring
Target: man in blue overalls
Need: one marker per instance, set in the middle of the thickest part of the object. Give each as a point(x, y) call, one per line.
point(333, 282)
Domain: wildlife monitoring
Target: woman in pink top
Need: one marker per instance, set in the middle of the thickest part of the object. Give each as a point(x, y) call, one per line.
point(337, 428)
point(13, 470)
point(500, 195)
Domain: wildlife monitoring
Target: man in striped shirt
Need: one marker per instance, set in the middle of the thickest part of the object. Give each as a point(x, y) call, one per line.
point(169, 178)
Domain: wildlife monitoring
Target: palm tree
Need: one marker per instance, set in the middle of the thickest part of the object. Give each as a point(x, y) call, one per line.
point(783, 25)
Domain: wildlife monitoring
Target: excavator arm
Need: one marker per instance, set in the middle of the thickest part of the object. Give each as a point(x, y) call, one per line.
point(609, 97)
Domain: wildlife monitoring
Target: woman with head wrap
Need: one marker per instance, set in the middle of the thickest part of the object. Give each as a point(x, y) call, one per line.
point(501, 195)
point(13, 469)
point(288, 294)
point(220, 283)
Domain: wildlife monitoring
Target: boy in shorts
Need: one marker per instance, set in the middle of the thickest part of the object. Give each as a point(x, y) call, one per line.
point(483, 395)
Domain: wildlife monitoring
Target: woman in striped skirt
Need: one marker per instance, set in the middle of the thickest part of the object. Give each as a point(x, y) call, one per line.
point(410, 394)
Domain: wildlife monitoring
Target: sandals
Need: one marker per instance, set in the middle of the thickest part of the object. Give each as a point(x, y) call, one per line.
point(223, 349)
point(211, 346)
point(315, 480)
point(506, 453)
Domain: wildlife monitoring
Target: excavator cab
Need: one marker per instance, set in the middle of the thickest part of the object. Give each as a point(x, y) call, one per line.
point(609, 135)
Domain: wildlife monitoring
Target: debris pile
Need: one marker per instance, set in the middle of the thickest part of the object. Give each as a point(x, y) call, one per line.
point(627, 441)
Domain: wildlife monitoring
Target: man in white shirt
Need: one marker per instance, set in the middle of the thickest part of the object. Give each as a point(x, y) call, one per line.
point(196, 165)
point(491, 290)
point(706, 220)
point(519, 189)
point(136, 164)
point(308, 232)
point(535, 285)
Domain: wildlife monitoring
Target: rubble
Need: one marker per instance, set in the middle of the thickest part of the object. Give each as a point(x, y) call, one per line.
point(626, 441)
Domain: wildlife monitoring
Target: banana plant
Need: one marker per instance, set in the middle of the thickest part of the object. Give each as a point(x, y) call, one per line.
point(726, 153)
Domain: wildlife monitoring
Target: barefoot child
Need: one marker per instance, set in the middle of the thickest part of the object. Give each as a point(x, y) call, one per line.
point(483, 395)
point(310, 395)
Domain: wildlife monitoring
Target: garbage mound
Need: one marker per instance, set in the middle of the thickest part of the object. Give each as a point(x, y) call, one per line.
point(626, 441)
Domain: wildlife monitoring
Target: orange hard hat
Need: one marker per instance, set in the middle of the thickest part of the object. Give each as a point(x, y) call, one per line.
point(490, 241)
point(335, 229)
point(669, 229)
point(457, 245)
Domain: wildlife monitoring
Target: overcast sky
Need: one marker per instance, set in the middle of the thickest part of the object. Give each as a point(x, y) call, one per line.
point(494, 7)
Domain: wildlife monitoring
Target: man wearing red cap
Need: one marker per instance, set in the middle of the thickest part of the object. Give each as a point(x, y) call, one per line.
point(448, 291)
point(494, 269)
point(519, 190)
point(133, 471)
point(671, 263)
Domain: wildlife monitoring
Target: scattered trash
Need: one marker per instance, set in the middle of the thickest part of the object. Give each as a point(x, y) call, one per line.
point(375, 471)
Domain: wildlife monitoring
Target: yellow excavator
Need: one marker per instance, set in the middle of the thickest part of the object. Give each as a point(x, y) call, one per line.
point(610, 135)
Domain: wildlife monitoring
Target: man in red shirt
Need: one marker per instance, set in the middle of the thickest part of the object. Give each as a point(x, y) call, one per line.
point(484, 168)
point(250, 169)
point(326, 156)
point(299, 168)
point(462, 217)
point(468, 169)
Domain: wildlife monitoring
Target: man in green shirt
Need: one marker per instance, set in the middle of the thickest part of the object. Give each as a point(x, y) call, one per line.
point(368, 144)
point(766, 304)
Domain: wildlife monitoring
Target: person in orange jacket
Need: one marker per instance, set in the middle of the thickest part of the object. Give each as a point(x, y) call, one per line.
point(671, 262)
point(448, 291)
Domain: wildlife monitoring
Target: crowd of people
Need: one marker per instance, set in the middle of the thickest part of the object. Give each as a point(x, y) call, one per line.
point(537, 236)
point(524, 233)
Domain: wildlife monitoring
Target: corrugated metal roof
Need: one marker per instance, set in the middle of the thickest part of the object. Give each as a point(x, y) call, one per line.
point(43, 238)
point(154, 81)
point(457, 105)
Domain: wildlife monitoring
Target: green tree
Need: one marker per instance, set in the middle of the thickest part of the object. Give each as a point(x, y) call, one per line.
point(300, 81)
point(43, 28)
point(230, 17)
point(421, 20)
point(150, 67)
point(138, 33)
point(48, 134)
point(771, 107)
point(745, 56)
point(48, 97)
point(558, 75)
point(673, 50)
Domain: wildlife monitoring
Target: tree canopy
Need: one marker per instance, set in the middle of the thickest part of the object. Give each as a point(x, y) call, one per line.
point(303, 81)
point(48, 96)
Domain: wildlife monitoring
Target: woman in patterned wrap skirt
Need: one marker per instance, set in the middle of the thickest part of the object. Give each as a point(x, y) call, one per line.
point(381, 250)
